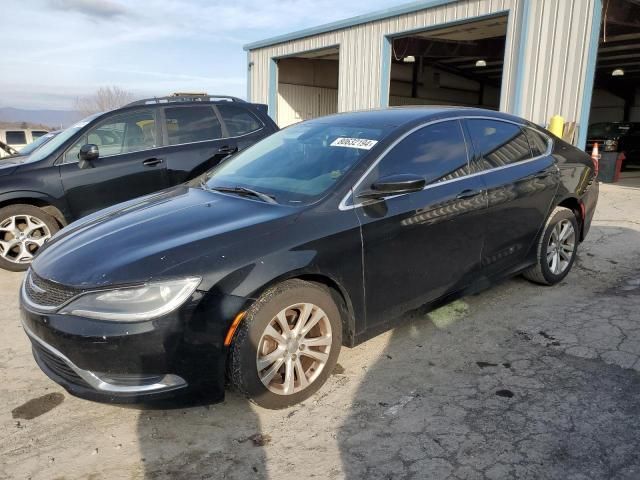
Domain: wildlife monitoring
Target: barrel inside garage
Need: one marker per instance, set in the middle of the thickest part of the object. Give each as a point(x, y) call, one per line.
point(456, 65)
point(614, 120)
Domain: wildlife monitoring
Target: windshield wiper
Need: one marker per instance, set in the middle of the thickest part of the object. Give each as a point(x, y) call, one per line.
point(245, 191)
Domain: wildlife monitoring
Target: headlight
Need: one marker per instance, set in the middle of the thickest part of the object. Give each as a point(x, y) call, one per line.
point(133, 304)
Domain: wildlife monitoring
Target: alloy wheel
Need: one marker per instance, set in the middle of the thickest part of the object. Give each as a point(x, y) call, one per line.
point(21, 236)
point(561, 247)
point(294, 348)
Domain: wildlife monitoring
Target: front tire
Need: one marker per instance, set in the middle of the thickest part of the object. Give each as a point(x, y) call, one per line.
point(556, 249)
point(287, 345)
point(23, 231)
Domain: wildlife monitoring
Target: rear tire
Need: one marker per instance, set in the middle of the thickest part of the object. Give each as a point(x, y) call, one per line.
point(23, 231)
point(556, 249)
point(277, 359)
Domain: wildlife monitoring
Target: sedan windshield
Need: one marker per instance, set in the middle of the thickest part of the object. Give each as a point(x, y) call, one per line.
point(299, 164)
point(52, 145)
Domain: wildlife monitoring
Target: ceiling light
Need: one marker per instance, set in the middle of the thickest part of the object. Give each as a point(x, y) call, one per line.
point(481, 63)
point(618, 72)
point(409, 59)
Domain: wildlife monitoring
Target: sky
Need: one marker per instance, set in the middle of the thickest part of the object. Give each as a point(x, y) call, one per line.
point(57, 50)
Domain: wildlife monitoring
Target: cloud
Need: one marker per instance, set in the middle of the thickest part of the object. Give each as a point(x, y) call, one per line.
point(97, 9)
point(149, 47)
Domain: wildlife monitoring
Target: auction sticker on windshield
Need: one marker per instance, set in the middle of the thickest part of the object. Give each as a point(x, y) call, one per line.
point(361, 143)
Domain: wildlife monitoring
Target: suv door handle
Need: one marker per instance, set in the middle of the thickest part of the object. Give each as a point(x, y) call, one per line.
point(152, 162)
point(227, 150)
point(468, 194)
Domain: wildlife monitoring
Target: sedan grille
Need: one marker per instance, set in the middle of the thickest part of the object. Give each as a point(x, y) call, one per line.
point(46, 293)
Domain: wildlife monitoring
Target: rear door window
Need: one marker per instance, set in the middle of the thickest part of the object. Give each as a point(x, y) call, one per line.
point(191, 124)
point(16, 137)
point(498, 143)
point(436, 152)
point(239, 121)
point(37, 133)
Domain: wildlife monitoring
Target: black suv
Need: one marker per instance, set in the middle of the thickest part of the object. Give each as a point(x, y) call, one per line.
point(111, 157)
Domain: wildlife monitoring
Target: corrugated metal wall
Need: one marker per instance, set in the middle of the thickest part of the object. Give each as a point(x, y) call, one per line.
point(553, 62)
point(555, 58)
point(361, 51)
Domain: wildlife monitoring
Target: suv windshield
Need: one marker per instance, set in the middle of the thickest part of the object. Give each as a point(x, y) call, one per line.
point(61, 138)
point(611, 129)
point(298, 164)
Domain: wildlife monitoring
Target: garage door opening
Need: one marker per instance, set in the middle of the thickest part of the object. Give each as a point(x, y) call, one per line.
point(614, 120)
point(458, 65)
point(307, 86)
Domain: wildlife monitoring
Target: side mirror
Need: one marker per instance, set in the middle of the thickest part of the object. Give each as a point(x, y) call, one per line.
point(88, 153)
point(394, 185)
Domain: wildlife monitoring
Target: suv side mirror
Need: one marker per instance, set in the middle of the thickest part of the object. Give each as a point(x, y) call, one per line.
point(394, 185)
point(88, 153)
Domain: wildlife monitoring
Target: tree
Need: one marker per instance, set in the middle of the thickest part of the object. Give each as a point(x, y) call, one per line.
point(105, 98)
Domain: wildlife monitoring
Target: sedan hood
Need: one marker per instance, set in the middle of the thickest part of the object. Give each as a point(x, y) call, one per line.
point(165, 234)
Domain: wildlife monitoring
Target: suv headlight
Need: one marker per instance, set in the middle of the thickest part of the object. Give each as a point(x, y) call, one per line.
point(133, 304)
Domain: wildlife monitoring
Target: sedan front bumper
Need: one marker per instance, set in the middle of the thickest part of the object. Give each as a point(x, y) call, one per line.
point(117, 362)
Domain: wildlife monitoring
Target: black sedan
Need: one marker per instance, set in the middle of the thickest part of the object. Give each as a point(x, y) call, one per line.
point(322, 235)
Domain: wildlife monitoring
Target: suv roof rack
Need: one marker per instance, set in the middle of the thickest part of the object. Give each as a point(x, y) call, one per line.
point(186, 97)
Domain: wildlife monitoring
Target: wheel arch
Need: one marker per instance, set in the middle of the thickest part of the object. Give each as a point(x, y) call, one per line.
point(342, 297)
point(574, 204)
point(36, 200)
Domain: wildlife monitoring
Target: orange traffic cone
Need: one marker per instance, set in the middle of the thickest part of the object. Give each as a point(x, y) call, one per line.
point(595, 156)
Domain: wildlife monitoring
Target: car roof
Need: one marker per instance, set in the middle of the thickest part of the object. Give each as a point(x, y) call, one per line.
point(410, 115)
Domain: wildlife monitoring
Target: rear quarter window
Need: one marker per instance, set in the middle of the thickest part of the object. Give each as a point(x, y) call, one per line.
point(538, 142)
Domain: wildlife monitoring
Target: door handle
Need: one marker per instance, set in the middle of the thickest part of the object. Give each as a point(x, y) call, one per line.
point(152, 162)
point(227, 150)
point(468, 194)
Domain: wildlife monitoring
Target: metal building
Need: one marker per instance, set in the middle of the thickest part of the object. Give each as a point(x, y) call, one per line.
point(533, 58)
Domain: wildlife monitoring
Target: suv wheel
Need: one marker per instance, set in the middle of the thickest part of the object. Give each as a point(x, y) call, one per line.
point(287, 345)
point(23, 231)
point(557, 248)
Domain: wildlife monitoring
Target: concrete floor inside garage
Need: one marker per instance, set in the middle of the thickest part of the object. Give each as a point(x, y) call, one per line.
point(520, 381)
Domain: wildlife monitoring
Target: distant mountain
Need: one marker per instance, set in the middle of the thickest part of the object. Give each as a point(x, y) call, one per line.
point(52, 118)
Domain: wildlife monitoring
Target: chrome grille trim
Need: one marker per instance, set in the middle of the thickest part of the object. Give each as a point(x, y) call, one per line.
point(44, 295)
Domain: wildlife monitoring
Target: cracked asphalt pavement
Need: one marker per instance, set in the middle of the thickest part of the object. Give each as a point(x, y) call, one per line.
point(519, 381)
